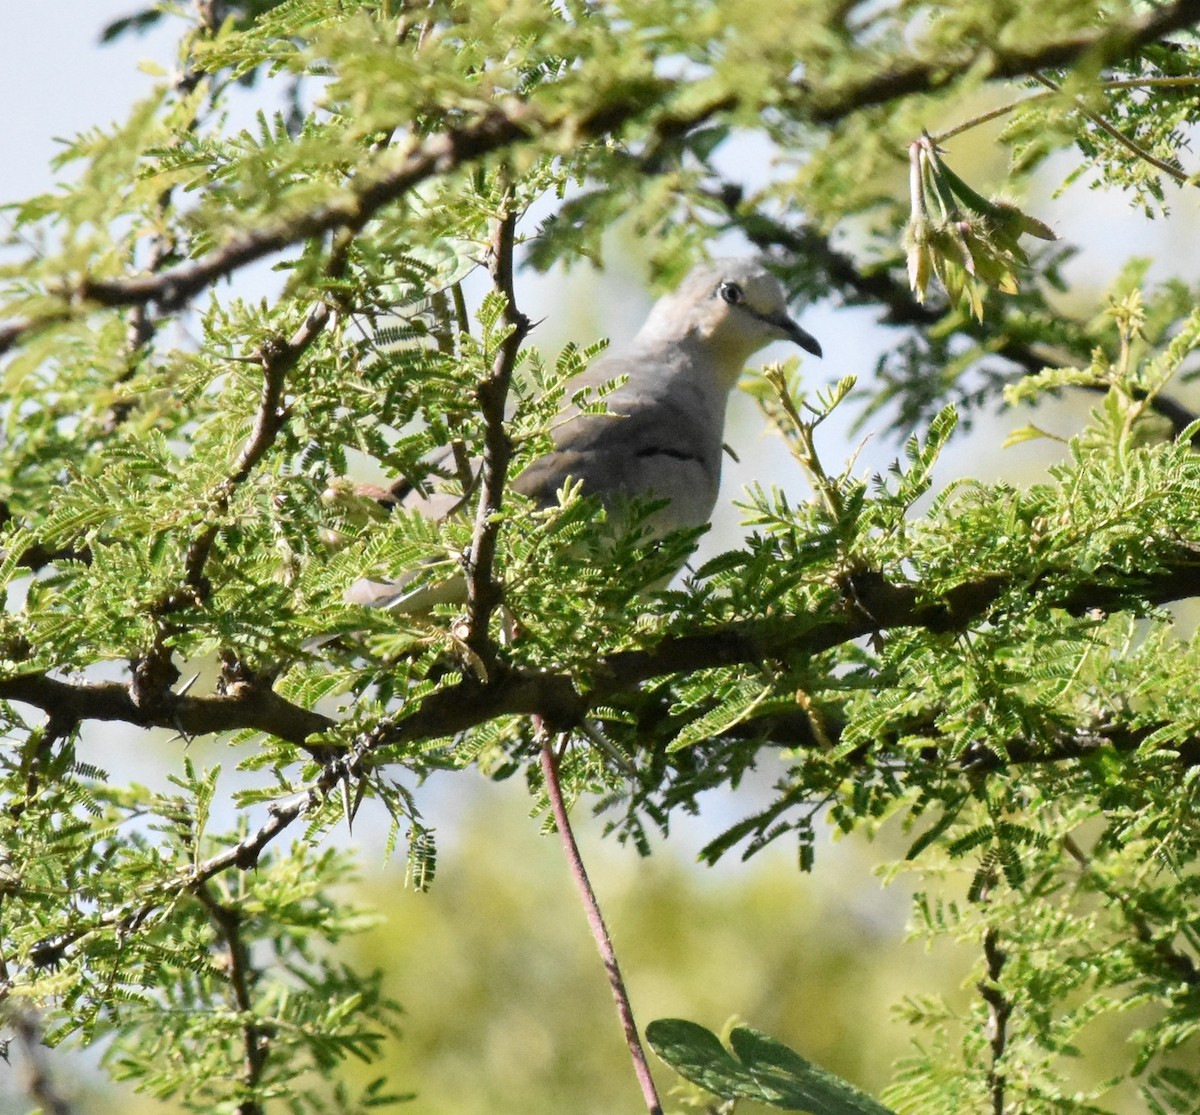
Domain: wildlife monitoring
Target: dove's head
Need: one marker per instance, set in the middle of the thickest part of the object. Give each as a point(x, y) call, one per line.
point(732, 306)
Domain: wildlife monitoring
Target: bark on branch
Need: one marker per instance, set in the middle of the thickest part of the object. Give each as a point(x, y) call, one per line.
point(1104, 47)
point(873, 605)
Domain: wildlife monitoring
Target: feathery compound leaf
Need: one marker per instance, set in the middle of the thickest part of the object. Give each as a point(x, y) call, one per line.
point(736, 702)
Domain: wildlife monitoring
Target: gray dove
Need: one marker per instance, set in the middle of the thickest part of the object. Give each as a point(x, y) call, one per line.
point(662, 438)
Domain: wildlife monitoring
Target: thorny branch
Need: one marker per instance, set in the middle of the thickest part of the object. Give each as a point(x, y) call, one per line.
point(364, 197)
point(1182, 966)
point(875, 605)
point(244, 855)
point(277, 360)
point(241, 706)
point(1103, 47)
point(143, 324)
point(154, 673)
point(483, 593)
point(1128, 142)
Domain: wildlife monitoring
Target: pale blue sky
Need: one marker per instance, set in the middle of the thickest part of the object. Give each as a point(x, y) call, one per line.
point(55, 80)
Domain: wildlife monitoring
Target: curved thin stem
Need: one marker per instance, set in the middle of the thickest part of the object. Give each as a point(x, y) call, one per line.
point(595, 919)
point(985, 117)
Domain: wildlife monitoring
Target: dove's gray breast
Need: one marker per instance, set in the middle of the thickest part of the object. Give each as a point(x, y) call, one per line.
point(660, 440)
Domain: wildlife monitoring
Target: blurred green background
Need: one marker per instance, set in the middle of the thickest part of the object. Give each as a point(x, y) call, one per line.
point(508, 1007)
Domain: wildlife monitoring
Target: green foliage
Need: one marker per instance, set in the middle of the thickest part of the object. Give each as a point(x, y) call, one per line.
point(1004, 672)
point(181, 982)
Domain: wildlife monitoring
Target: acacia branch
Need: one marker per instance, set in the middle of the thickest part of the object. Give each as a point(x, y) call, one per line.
point(500, 129)
point(278, 358)
point(244, 855)
point(154, 672)
point(244, 706)
point(1173, 171)
point(11, 332)
point(1103, 47)
point(872, 605)
point(483, 593)
point(365, 195)
point(1179, 964)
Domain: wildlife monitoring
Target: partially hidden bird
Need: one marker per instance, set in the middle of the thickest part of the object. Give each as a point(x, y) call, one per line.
point(662, 437)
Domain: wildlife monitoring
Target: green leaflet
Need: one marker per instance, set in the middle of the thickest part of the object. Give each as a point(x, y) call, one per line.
point(760, 1069)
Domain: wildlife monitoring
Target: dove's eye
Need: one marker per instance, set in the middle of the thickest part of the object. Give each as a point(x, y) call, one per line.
point(732, 293)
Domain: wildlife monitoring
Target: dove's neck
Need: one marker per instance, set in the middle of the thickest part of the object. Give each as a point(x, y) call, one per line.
point(696, 351)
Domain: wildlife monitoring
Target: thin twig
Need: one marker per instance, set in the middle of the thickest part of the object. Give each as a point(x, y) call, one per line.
point(1181, 965)
point(985, 117)
point(244, 855)
point(143, 324)
point(255, 1038)
point(798, 432)
point(1025, 102)
point(277, 360)
point(1128, 142)
point(595, 919)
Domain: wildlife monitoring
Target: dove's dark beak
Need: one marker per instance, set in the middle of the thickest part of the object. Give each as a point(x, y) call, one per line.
point(793, 332)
